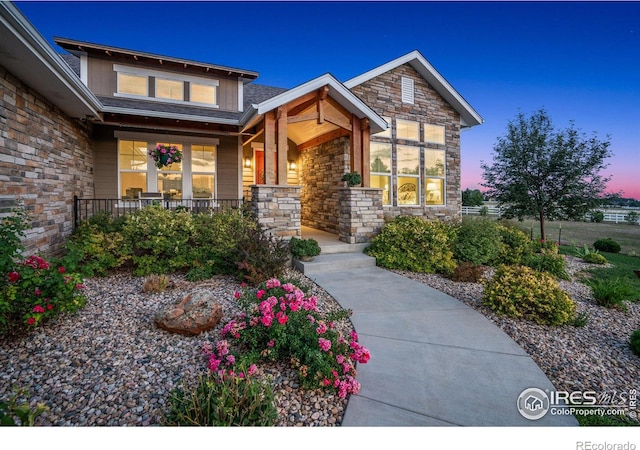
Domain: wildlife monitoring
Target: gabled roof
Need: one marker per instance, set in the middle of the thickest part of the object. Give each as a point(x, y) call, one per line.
point(337, 91)
point(468, 116)
point(80, 47)
point(29, 57)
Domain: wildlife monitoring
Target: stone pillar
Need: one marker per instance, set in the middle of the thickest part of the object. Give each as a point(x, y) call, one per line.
point(361, 214)
point(277, 209)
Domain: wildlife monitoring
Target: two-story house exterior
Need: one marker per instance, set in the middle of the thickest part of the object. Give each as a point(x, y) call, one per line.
point(283, 150)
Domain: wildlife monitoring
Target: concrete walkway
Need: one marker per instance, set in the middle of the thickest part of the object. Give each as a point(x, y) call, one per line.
point(434, 360)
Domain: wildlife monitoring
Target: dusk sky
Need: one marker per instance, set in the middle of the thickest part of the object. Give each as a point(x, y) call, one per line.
point(578, 60)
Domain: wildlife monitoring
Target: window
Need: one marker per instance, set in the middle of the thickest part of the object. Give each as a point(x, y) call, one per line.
point(434, 191)
point(203, 167)
point(434, 162)
point(170, 177)
point(434, 134)
point(132, 84)
point(408, 170)
point(380, 154)
point(170, 89)
point(407, 90)
point(202, 93)
point(406, 129)
point(386, 133)
point(132, 161)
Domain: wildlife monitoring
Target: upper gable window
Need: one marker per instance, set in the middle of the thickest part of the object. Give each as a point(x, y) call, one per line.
point(434, 133)
point(203, 93)
point(132, 84)
point(407, 129)
point(407, 90)
point(170, 89)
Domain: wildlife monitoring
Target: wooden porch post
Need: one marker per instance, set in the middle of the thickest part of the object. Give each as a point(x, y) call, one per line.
point(366, 158)
point(269, 148)
point(283, 148)
point(356, 145)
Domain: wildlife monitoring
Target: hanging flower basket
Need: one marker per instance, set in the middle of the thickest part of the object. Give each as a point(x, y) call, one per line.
point(165, 155)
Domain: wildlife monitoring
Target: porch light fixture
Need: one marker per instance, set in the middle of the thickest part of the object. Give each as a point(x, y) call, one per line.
point(247, 163)
point(292, 165)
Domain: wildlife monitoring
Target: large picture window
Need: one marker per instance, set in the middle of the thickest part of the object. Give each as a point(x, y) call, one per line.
point(408, 170)
point(203, 167)
point(380, 154)
point(132, 162)
point(170, 177)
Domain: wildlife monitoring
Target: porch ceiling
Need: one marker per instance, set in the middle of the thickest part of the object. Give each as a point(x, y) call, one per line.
point(304, 131)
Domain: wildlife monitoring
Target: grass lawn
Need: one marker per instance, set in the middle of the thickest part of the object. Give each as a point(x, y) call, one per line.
point(581, 233)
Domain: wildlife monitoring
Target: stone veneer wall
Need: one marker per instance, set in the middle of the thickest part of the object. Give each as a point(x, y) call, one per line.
point(45, 159)
point(383, 95)
point(322, 168)
point(361, 216)
point(277, 208)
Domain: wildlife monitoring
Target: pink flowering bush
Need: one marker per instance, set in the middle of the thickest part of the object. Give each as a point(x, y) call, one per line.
point(35, 291)
point(280, 322)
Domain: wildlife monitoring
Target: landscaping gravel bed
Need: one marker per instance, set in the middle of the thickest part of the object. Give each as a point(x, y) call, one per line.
point(109, 365)
point(595, 357)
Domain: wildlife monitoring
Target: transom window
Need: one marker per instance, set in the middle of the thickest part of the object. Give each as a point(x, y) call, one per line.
point(386, 133)
point(434, 133)
point(407, 129)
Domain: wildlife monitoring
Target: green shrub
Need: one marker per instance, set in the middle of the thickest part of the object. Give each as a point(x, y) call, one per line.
point(231, 401)
point(611, 292)
point(597, 216)
point(594, 258)
point(304, 247)
point(16, 411)
point(524, 293)
point(634, 342)
point(515, 245)
point(467, 272)
point(12, 230)
point(414, 244)
point(581, 319)
point(352, 179)
point(158, 239)
point(607, 245)
point(93, 251)
point(548, 262)
point(477, 241)
point(260, 256)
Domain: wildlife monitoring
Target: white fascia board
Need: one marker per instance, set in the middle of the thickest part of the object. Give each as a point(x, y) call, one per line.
point(336, 90)
point(32, 40)
point(468, 115)
point(168, 115)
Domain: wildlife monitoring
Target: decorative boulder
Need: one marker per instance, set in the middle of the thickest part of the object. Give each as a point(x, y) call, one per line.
point(197, 312)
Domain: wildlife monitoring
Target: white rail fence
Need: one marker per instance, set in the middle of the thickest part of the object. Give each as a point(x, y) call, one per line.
point(615, 217)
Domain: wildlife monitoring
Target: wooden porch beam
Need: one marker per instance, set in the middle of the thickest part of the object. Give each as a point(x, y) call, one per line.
point(331, 135)
point(303, 118)
point(252, 138)
point(365, 127)
point(339, 121)
point(301, 103)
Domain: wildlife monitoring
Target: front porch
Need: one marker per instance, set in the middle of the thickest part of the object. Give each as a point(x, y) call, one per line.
point(299, 145)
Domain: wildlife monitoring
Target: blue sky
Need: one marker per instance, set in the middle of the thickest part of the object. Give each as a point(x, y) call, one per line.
point(578, 60)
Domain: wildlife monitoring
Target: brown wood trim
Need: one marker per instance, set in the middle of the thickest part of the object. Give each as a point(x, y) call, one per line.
point(339, 121)
point(283, 150)
point(331, 135)
point(270, 147)
point(303, 118)
point(356, 145)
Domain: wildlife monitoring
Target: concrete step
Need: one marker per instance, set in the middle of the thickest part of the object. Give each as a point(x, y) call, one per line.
point(334, 262)
point(341, 247)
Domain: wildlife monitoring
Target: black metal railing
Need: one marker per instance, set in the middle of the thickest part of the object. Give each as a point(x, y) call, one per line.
point(85, 208)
